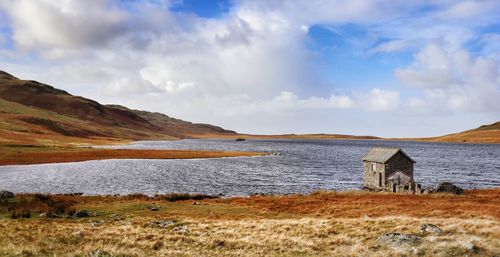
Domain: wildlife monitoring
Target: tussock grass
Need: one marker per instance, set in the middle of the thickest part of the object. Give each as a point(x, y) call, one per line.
point(25, 205)
point(247, 237)
point(233, 227)
point(183, 197)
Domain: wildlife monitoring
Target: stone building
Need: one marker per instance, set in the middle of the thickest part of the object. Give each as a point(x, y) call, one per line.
point(389, 169)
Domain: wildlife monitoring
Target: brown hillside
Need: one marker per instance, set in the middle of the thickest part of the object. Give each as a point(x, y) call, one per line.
point(29, 110)
point(177, 127)
point(483, 134)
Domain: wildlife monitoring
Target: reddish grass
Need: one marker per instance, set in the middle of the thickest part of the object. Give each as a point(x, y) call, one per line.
point(473, 203)
point(38, 203)
point(101, 154)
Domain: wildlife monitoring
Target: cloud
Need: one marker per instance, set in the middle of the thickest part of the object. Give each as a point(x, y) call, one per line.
point(455, 78)
point(290, 100)
point(64, 23)
point(253, 60)
point(393, 46)
point(378, 100)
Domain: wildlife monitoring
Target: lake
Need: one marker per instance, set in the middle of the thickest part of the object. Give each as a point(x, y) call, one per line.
point(302, 167)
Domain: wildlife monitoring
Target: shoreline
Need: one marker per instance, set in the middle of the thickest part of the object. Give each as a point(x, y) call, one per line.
point(25, 154)
point(320, 137)
point(45, 155)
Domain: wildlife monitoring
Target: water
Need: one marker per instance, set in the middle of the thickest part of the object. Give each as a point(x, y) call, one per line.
point(304, 166)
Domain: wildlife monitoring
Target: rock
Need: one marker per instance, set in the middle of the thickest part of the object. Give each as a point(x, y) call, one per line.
point(447, 187)
point(163, 223)
point(95, 223)
point(53, 215)
point(470, 247)
point(184, 229)
point(6, 194)
point(431, 228)
point(79, 234)
point(154, 208)
point(400, 239)
point(42, 215)
point(81, 214)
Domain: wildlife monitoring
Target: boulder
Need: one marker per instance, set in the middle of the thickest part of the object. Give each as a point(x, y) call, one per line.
point(447, 187)
point(96, 223)
point(154, 208)
point(81, 214)
point(6, 194)
point(184, 229)
point(400, 239)
point(162, 223)
point(431, 228)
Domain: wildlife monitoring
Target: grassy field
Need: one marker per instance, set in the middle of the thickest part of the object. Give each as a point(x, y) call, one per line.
point(320, 224)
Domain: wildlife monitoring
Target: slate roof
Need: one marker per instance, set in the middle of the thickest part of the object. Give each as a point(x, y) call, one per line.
point(383, 154)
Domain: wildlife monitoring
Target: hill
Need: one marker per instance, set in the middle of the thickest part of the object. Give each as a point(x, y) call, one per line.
point(483, 134)
point(35, 113)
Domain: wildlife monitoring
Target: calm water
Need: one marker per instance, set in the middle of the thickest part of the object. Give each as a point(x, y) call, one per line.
point(304, 166)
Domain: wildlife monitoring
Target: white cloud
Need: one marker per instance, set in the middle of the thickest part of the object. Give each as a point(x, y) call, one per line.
point(290, 100)
point(454, 79)
point(64, 23)
point(393, 46)
point(378, 100)
point(251, 61)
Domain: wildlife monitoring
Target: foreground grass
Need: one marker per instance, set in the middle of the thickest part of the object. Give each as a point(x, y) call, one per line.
point(250, 227)
point(26, 154)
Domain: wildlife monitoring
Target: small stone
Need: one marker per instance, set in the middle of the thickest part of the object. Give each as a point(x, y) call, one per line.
point(431, 228)
point(154, 208)
point(181, 229)
point(42, 215)
point(470, 247)
point(6, 194)
point(400, 239)
point(79, 234)
point(95, 223)
point(163, 223)
point(81, 214)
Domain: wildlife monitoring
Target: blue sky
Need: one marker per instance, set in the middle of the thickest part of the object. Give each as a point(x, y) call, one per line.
point(424, 67)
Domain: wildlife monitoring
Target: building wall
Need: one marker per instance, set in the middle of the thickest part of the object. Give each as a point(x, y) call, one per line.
point(371, 177)
point(399, 162)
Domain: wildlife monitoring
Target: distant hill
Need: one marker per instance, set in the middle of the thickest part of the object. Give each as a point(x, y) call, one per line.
point(483, 134)
point(52, 115)
point(35, 113)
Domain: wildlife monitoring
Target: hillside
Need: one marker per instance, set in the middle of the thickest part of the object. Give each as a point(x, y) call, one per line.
point(36, 113)
point(483, 134)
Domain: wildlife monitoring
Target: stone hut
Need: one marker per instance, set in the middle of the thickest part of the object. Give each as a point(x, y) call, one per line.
point(389, 169)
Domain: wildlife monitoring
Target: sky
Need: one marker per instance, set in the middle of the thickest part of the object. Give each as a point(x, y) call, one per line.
point(391, 68)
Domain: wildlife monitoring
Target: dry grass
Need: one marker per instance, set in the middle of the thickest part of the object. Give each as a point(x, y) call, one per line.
point(36, 155)
point(246, 237)
point(231, 227)
point(474, 203)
